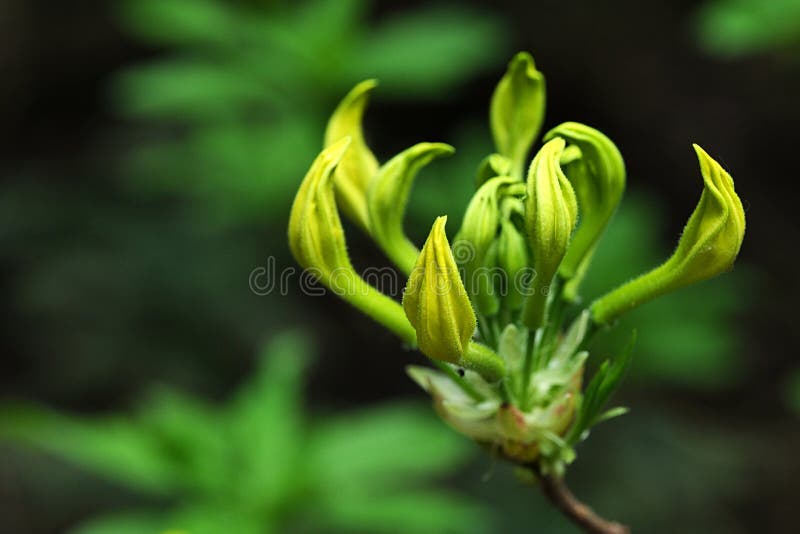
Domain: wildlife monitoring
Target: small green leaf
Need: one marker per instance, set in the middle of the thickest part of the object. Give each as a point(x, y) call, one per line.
point(605, 381)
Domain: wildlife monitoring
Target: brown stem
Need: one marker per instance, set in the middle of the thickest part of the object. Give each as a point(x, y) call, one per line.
point(559, 494)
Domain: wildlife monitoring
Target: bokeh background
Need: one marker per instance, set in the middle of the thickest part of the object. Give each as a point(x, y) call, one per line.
point(150, 152)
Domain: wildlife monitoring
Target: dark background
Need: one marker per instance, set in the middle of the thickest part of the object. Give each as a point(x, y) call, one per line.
point(90, 319)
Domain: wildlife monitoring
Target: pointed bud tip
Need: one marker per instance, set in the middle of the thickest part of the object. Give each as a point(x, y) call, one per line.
point(524, 61)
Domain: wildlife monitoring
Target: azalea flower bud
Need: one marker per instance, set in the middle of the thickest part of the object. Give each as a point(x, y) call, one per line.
point(517, 111)
point(436, 302)
point(474, 244)
point(708, 246)
point(316, 239)
point(387, 197)
point(512, 258)
point(359, 164)
point(598, 178)
point(551, 211)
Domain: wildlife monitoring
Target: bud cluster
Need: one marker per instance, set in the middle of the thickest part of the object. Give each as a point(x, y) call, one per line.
point(500, 313)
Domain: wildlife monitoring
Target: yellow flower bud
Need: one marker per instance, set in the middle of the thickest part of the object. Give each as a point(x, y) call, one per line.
point(387, 197)
point(436, 302)
point(598, 178)
point(316, 239)
point(473, 244)
point(551, 211)
point(512, 258)
point(517, 111)
point(708, 246)
point(359, 165)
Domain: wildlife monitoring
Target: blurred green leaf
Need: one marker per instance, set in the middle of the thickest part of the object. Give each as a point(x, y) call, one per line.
point(113, 446)
point(741, 27)
point(190, 435)
point(180, 21)
point(188, 89)
point(214, 518)
point(792, 391)
point(125, 523)
point(418, 512)
point(267, 432)
point(429, 50)
point(383, 447)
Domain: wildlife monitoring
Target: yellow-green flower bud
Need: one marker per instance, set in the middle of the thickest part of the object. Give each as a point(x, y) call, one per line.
point(436, 302)
point(316, 239)
point(551, 211)
point(359, 164)
point(474, 241)
point(708, 246)
point(598, 178)
point(512, 258)
point(387, 197)
point(517, 111)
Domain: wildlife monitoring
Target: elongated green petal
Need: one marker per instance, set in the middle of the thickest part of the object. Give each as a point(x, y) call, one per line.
point(517, 111)
point(551, 211)
point(708, 246)
point(436, 302)
point(316, 239)
point(387, 197)
point(359, 165)
point(598, 178)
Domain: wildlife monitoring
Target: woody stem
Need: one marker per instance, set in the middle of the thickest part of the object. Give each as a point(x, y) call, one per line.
point(556, 490)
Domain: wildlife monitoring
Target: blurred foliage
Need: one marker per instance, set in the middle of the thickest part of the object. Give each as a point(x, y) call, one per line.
point(685, 338)
point(256, 464)
point(793, 391)
point(743, 27)
point(242, 90)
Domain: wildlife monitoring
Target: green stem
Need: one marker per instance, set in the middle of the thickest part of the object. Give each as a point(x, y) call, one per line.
point(381, 308)
point(484, 361)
